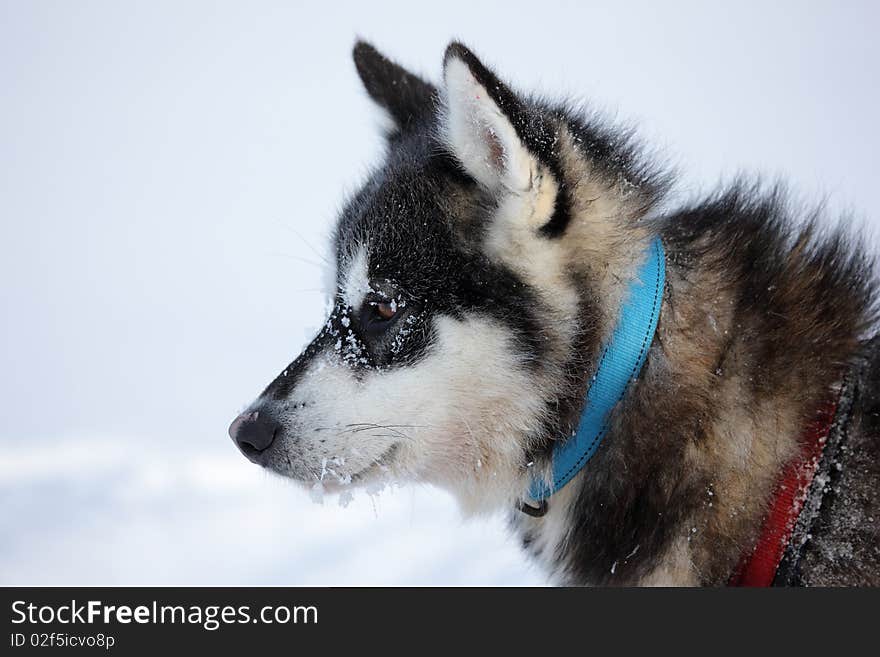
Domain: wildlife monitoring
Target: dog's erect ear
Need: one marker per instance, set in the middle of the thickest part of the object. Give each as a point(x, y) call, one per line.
point(479, 123)
point(406, 97)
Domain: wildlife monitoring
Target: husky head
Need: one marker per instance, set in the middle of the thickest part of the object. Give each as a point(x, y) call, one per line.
point(477, 270)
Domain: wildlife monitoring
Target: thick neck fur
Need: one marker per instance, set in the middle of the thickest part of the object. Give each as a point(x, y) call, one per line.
point(757, 325)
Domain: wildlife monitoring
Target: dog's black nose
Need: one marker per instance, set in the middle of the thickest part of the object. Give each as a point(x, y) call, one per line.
point(254, 433)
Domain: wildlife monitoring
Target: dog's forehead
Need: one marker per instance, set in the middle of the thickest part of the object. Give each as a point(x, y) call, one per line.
point(401, 223)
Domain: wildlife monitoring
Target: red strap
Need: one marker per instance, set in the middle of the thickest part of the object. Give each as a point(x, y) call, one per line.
point(758, 568)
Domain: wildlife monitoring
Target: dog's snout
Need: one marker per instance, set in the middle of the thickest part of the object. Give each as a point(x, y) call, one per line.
point(254, 433)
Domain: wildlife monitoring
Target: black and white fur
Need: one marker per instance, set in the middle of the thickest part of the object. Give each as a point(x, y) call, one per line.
point(479, 270)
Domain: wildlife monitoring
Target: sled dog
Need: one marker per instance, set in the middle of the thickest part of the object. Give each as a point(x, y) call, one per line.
point(656, 395)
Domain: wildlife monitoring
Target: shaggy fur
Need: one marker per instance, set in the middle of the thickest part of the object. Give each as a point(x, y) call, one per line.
point(500, 233)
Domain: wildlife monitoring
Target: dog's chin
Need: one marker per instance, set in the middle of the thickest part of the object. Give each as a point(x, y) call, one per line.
point(333, 476)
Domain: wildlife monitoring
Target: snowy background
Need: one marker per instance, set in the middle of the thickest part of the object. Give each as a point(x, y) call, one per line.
point(168, 174)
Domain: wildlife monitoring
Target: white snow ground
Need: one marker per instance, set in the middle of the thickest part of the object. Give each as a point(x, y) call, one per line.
point(102, 512)
point(167, 174)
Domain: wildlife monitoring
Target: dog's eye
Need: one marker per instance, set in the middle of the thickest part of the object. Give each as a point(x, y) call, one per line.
point(384, 310)
point(378, 314)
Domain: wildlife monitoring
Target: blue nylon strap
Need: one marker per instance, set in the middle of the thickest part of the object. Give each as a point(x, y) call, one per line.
point(620, 363)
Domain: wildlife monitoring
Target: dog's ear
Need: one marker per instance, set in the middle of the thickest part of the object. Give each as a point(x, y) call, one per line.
point(406, 97)
point(480, 121)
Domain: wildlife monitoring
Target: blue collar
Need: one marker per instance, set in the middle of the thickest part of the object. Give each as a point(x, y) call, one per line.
point(620, 363)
